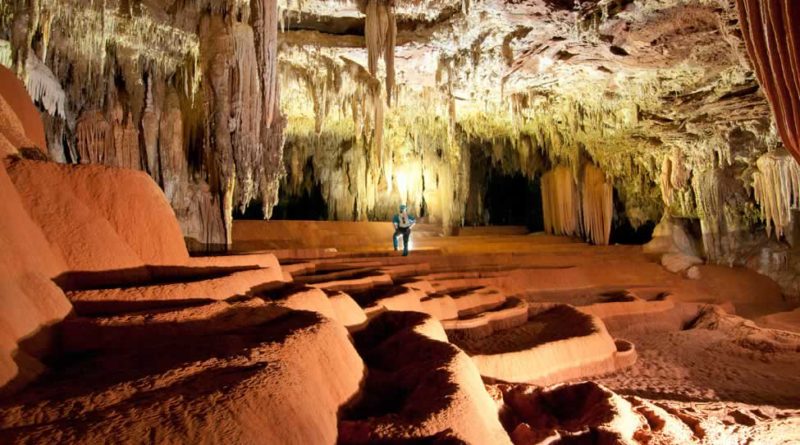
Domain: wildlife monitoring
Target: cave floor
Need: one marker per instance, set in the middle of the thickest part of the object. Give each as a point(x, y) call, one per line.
point(683, 360)
point(728, 375)
point(536, 267)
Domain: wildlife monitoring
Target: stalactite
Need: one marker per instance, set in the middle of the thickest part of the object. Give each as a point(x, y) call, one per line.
point(380, 31)
point(776, 186)
point(246, 108)
point(44, 87)
point(5, 54)
point(708, 192)
point(265, 24)
point(172, 155)
point(568, 212)
point(93, 138)
point(597, 205)
point(150, 130)
point(377, 153)
point(217, 50)
point(560, 202)
point(125, 140)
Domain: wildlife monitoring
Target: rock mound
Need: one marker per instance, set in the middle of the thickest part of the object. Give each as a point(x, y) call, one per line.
point(250, 384)
point(418, 388)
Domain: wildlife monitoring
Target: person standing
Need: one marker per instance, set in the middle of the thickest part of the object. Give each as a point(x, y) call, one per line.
point(403, 222)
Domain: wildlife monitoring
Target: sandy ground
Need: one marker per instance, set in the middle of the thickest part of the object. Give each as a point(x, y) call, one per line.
point(701, 365)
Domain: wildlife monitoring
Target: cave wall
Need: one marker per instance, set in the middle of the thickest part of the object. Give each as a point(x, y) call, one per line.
point(185, 91)
point(660, 96)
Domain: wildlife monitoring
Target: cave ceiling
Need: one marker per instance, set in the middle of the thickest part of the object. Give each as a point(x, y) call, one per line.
point(624, 84)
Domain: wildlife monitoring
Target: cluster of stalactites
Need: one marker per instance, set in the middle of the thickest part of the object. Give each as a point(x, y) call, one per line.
point(560, 202)
point(337, 89)
point(113, 142)
point(124, 82)
point(675, 181)
point(776, 186)
point(597, 204)
point(44, 87)
point(241, 107)
point(88, 32)
point(380, 31)
point(568, 211)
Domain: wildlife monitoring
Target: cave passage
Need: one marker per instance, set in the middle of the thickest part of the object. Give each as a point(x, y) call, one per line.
point(513, 200)
point(623, 232)
point(309, 205)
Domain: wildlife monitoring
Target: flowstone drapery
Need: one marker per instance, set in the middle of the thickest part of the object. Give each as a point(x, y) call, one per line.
point(777, 190)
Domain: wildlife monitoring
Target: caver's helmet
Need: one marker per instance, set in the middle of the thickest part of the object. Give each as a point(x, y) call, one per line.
point(403, 207)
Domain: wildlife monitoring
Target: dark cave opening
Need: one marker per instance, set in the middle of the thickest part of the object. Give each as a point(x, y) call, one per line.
point(254, 210)
point(623, 232)
point(303, 203)
point(310, 205)
point(513, 200)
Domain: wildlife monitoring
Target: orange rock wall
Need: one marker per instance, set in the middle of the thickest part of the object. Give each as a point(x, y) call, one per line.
point(30, 303)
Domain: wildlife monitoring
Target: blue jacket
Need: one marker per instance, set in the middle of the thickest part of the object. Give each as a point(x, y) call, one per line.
point(398, 223)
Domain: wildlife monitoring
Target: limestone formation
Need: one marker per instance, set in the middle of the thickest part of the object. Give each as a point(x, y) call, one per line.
point(639, 155)
point(144, 87)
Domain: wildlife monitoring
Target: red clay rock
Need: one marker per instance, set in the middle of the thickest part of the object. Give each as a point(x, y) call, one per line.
point(279, 383)
point(30, 303)
point(582, 412)
point(787, 321)
point(423, 388)
point(556, 344)
point(306, 298)
point(86, 240)
point(12, 134)
point(347, 311)
point(511, 314)
point(130, 331)
point(128, 200)
point(679, 262)
point(255, 260)
point(154, 295)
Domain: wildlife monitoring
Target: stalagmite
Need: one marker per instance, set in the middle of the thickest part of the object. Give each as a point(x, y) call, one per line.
point(776, 186)
point(597, 204)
